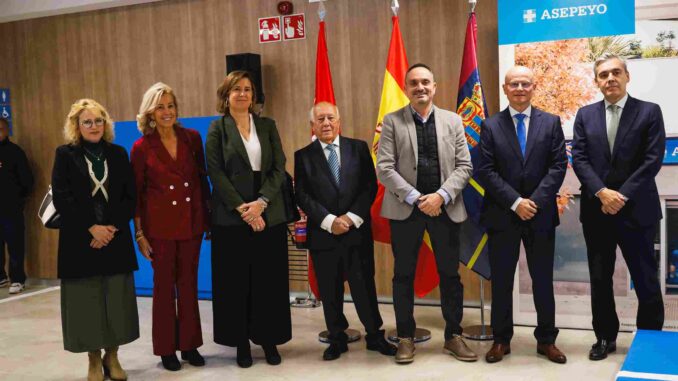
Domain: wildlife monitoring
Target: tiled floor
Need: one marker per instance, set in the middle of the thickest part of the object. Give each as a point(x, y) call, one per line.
point(31, 349)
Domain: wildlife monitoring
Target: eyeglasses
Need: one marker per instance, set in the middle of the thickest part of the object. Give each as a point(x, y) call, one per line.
point(88, 123)
point(524, 85)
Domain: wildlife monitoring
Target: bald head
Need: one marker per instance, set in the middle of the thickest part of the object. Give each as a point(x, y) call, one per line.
point(519, 87)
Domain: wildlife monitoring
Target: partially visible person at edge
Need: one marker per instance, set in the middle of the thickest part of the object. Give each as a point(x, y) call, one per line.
point(246, 164)
point(17, 181)
point(171, 219)
point(93, 190)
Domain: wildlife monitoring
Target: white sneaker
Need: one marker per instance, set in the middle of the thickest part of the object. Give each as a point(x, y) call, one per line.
point(16, 288)
point(4, 283)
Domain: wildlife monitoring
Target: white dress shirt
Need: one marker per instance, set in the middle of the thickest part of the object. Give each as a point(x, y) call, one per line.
point(253, 147)
point(327, 222)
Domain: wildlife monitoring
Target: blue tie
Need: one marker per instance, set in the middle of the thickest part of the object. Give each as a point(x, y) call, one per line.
point(520, 130)
point(333, 161)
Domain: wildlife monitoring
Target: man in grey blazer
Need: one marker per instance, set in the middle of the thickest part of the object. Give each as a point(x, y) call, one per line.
point(424, 164)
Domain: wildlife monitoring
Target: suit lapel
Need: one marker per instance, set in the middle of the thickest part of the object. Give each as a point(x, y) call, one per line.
point(236, 139)
point(532, 132)
point(346, 159)
point(509, 130)
point(320, 160)
point(601, 129)
point(628, 116)
point(160, 151)
point(79, 157)
point(412, 131)
point(264, 142)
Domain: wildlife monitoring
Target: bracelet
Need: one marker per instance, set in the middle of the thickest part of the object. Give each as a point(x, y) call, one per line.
point(139, 237)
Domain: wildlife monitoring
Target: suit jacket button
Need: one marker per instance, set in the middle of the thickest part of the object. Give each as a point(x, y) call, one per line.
point(171, 186)
point(414, 169)
point(186, 184)
point(188, 199)
point(174, 202)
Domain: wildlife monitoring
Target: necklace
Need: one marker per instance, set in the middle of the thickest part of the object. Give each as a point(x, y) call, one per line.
point(95, 157)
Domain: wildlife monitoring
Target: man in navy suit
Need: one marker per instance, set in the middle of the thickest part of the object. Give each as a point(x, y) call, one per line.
point(617, 152)
point(335, 186)
point(522, 166)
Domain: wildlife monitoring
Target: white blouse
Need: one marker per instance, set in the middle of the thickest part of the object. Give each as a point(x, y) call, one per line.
point(253, 147)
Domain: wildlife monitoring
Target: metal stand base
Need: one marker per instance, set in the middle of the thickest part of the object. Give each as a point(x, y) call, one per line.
point(420, 335)
point(353, 335)
point(478, 332)
point(305, 303)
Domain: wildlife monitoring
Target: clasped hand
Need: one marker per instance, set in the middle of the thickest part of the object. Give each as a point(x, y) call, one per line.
point(526, 209)
point(341, 225)
point(250, 212)
point(612, 201)
point(102, 235)
point(431, 204)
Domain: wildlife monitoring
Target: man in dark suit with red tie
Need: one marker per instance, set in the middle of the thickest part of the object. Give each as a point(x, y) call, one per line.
point(618, 150)
point(335, 186)
point(522, 166)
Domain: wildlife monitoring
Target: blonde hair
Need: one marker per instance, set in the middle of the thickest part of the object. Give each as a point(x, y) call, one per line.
point(229, 83)
point(71, 127)
point(148, 104)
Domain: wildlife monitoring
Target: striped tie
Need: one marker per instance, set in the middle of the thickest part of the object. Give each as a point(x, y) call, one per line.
point(333, 161)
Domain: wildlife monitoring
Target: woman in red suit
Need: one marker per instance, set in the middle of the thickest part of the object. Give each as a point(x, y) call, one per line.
point(171, 218)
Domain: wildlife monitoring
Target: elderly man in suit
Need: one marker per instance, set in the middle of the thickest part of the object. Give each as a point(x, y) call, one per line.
point(522, 166)
point(335, 185)
point(424, 164)
point(618, 149)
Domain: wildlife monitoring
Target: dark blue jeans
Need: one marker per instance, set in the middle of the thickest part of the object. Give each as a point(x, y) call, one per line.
point(12, 233)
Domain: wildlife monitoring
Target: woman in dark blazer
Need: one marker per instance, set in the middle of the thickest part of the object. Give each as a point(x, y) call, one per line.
point(171, 218)
point(246, 165)
point(93, 190)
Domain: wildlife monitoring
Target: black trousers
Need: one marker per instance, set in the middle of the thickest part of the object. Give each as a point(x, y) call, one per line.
point(406, 239)
point(12, 233)
point(250, 286)
point(637, 246)
point(357, 265)
point(504, 251)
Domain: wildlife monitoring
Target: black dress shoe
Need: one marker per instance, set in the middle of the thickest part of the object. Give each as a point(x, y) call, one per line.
point(601, 348)
point(193, 357)
point(272, 355)
point(384, 347)
point(334, 351)
point(244, 355)
point(171, 362)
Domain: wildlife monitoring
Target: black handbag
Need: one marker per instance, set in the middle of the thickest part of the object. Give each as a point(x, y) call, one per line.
point(289, 204)
point(47, 212)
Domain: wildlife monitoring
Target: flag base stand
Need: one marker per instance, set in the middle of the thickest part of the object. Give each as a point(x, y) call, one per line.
point(420, 335)
point(480, 332)
point(353, 335)
point(307, 302)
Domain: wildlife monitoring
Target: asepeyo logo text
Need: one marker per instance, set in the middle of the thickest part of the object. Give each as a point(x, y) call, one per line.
point(530, 15)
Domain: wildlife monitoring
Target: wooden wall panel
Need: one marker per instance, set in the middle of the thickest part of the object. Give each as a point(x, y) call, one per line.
point(114, 55)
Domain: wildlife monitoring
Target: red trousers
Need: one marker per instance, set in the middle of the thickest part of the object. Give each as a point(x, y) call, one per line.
point(176, 317)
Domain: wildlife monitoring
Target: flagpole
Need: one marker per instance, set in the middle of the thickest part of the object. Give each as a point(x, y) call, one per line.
point(479, 332)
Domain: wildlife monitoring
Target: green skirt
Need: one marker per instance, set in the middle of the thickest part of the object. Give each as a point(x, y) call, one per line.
point(98, 312)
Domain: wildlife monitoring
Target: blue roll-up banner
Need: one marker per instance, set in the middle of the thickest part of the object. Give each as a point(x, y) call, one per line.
point(126, 134)
point(671, 153)
point(523, 21)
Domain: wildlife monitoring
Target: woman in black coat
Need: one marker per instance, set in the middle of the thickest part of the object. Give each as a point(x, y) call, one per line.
point(93, 191)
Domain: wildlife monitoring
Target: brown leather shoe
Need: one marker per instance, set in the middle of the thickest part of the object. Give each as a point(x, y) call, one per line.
point(497, 352)
point(406, 350)
point(552, 352)
point(458, 348)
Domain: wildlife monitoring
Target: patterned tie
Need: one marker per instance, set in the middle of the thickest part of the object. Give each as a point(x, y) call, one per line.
point(333, 161)
point(520, 130)
point(612, 125)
